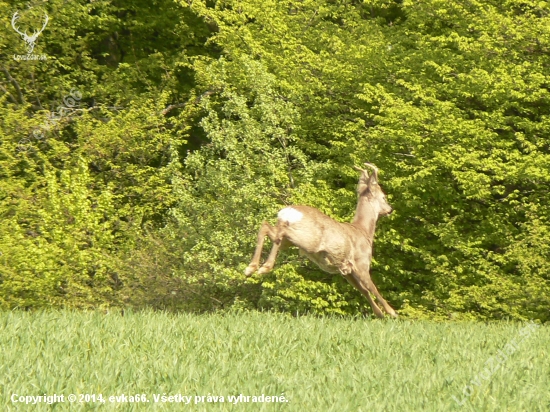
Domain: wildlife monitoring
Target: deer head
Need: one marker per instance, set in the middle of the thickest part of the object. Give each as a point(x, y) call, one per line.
point(30, 40)
point(369, 189)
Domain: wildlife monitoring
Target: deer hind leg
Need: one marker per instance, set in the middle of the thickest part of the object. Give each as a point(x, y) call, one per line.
point(265, 230)
point(277, 237)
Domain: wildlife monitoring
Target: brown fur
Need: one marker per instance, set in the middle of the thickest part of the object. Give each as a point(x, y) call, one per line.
point(336, 247)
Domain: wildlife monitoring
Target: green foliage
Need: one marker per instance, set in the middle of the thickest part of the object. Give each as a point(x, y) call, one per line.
point(87, 152)
point(63, 226)
point(452, 105)
point(328, 364)
point(244, 170)
point(198, 120)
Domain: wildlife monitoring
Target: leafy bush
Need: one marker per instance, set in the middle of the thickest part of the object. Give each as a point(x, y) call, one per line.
point(198, 121)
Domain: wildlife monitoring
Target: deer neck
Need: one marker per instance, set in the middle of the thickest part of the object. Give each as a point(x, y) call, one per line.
point(365, 217)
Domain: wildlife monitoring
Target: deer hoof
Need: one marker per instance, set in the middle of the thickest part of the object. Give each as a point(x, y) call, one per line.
point(250, 269)
point(264, 269)
point(393, 314)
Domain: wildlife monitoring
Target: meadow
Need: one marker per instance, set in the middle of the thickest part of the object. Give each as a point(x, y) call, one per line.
point(302, 363)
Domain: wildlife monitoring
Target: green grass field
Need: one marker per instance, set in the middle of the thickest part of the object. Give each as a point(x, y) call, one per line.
point(314, 364)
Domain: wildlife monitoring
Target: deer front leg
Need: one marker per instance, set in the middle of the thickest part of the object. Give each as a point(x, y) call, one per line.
point(265, 230)
point(361, 274)
point(389, 310)
point(365, 292)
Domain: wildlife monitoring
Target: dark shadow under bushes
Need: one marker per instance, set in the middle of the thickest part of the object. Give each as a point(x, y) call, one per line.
point(155, 277)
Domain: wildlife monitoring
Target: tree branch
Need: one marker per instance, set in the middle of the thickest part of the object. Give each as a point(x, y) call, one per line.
point(172, 107)
point(15, 84)
point(179, 105)
point(8, 93)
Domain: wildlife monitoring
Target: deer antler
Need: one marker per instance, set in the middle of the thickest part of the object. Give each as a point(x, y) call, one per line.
point(44, 26)
point(362, 171)
point(13, 20)
point(370, 165)
point(374, 170)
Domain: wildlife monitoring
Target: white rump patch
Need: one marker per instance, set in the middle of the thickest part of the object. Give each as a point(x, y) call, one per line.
point(290, 215)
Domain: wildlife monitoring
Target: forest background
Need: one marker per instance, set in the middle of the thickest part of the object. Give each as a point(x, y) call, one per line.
point(143, 146)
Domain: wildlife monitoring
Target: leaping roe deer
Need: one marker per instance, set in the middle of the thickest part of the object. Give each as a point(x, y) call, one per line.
point(344, 248)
